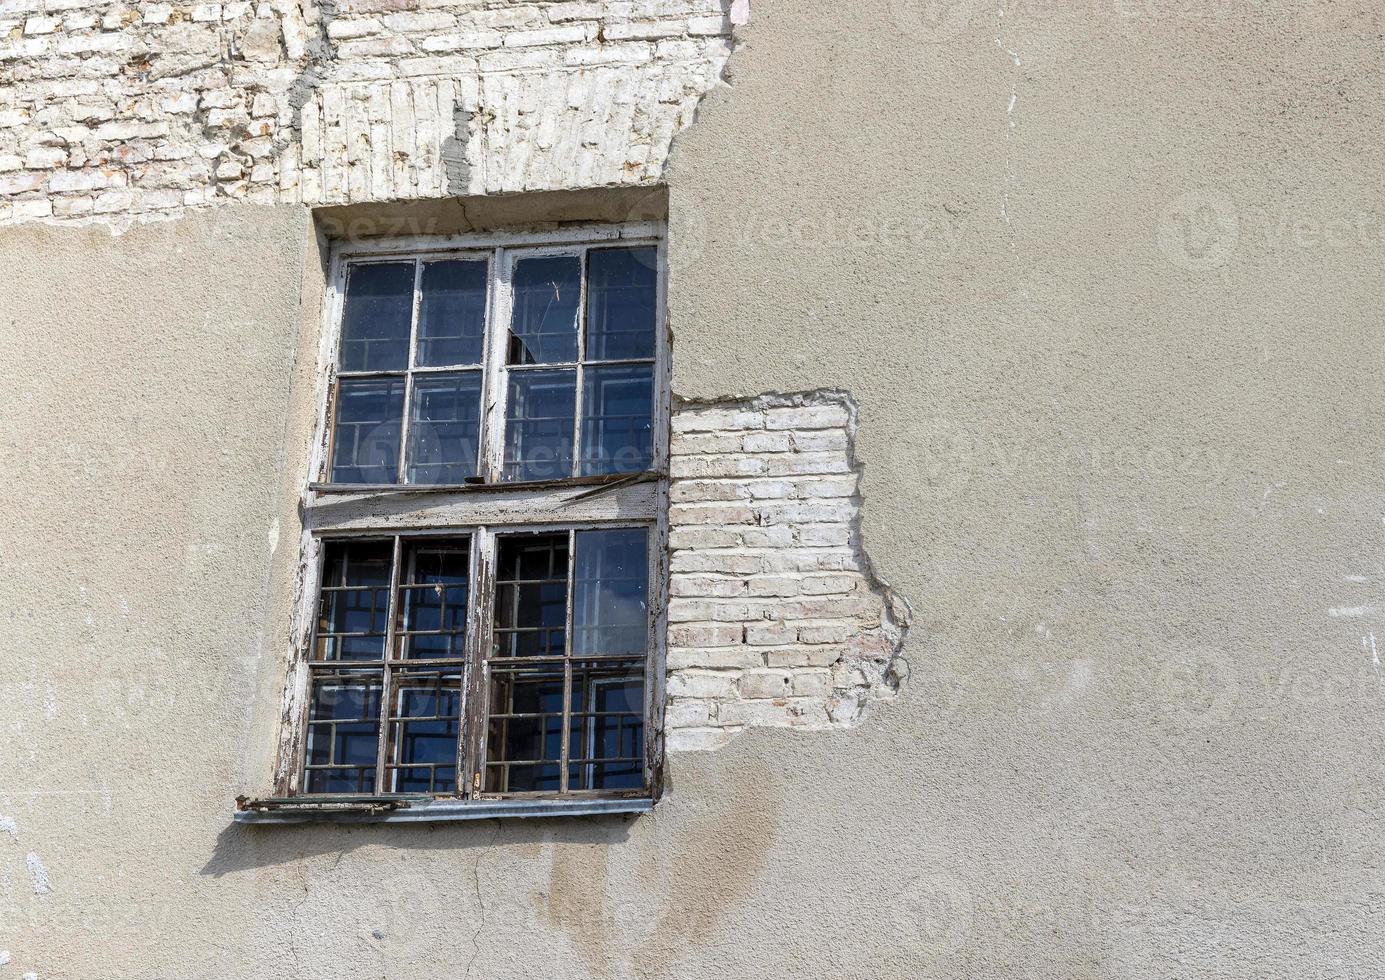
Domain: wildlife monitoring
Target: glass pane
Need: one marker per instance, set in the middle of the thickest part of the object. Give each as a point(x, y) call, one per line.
point(531, 596)
point(353, 605)
point(620, 303)
point(425, 719)
point(525, 725)
point(617, 429)
point(607, 749)
point(544, 327)
point(451, 313)
point(539, 425)
point(610, 611)
point(433, 601)
point(444, 427)
point(375, 321)
point(365, 445)
point(343, 734)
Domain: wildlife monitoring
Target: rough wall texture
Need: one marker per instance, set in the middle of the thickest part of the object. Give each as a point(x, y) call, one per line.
point(1109, 307)
point(113, 111)
point(775, 616)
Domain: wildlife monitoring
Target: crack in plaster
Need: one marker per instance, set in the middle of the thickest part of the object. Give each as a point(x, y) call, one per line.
point(1009, 119)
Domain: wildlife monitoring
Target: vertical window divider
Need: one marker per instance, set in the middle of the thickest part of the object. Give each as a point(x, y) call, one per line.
point(662, 386)
point(386, 694)
point(565, 739)
point(402, 476)
point(495, 385)
point(581, 362)
point(475, 680)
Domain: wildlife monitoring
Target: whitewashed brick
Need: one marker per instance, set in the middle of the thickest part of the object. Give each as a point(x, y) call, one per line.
point(564, 110)
point(20, 183)
point(702, 684)
point(84, 180)
point(644, 30)
point(45, 158)
point(343, 29)
point(776, 474)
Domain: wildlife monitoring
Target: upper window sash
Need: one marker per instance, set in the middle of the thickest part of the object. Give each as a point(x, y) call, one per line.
point(406, 417)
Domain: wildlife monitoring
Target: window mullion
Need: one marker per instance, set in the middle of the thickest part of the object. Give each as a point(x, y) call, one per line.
point(567, 665)
point(660, 411)
point(581, 359)
point(386, 674)
point(495, 389)
point(472, 746)
point(402, 475)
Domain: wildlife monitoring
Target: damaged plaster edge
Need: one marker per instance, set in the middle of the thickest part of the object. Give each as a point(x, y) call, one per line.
point(737, 16)
point(896, 613)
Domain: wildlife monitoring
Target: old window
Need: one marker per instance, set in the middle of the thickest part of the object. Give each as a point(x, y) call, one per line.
point(503, 365)
point(484, 531)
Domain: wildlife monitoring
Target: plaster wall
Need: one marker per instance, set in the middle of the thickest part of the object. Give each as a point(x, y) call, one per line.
point(1104, 284)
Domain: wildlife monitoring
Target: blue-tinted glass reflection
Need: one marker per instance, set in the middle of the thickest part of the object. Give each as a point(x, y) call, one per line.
point(375, 321)
point(343, 735)
point(451, 313)
point(610, 612)
point(539, 425)
point(365, 443)
point(621, 295)
point(353, 605)
point(617, 427)
point(607, 749)
point(543, 329)
point(444, 427)
point(425, 724)
point(433, 600)
point(531, 596)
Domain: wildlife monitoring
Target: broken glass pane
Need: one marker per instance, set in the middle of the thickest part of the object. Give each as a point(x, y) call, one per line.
point(375, 322)
point(444, 427)
point(621, 300)
point(451, 313)
point(617, 431)
point(365, 444)
point(539, 425)
point(544, 327)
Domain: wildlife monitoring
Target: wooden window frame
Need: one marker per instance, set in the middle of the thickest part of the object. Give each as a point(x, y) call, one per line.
point(480, 511)
point(500, 252)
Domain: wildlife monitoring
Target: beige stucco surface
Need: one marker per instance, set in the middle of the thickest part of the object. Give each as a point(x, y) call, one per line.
point(1130, 489)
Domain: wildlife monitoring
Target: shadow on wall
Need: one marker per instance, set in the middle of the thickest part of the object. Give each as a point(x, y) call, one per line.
point(245, 847)
point(700, 859)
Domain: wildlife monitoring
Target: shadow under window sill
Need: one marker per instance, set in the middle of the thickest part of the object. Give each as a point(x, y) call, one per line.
point(394, 809)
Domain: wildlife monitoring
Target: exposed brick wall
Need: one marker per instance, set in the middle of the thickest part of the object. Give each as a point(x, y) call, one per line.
point(775, 617)
point(114, 111)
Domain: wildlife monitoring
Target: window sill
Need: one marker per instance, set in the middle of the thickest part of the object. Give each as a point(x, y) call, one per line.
point(395, 810)
point(611, 479)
